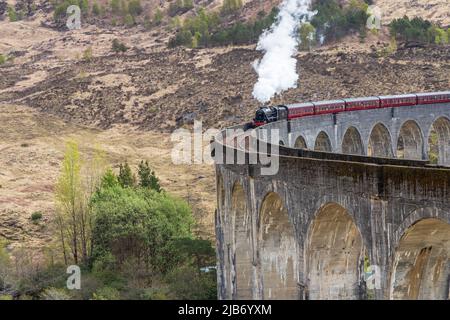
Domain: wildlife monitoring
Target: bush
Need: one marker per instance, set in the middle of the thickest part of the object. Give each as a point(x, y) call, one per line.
point(441, 36)
point(118, 46)
point(115, 6)
point(38, 279)
point(87, 54)
point(231, 6)
point(334, 20)
point(307, 34)
point(135, 8)
point(96, 9)
point(2, 59)
point(157, 17)
point(12, 14)
point(147, 177)
point(138, 223)
point(55, 294)
point(179, 7)
point(36, 216)
point(418, 29)
point(128, 20)
point(205, 30)
point(106, 293)
point(187, 283)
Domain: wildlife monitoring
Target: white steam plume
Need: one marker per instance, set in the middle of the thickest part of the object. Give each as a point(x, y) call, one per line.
point(277, 70)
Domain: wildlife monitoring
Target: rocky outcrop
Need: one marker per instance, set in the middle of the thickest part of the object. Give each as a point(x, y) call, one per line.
point(3, 6)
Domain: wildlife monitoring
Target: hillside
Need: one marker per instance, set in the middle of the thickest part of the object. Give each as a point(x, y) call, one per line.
point(70, 84)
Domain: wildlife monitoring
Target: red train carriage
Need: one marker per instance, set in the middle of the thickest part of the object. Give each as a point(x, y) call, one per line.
point(332, 106)
point(299, 110)
point(433, 97)
point(362, 103)
point(270, 114)
point(398, 101)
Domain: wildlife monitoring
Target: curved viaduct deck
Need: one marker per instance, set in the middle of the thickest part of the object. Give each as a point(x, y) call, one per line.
point(311, 230)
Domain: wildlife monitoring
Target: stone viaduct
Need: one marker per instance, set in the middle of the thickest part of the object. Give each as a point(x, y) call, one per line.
point(359, 209)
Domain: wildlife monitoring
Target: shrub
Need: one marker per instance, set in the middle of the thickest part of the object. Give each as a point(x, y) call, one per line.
point(133, 222)
point(179, 7)
point(118, 46)
point(115, 6)
point(418, 29)
point(187, 283)
point(36, 216)
point(2, 59)
point(231, 6)
point(128, 20)
point(134, 7)
point(147, 177)
point(12, 14)
point(440, 36)
point(205, 30)
point(84, 5)
point(334, 20)
point(87, 54)
point(307, 34)
point(157, 17)
point(55, 294)
point(96, 9)
point(106, 293)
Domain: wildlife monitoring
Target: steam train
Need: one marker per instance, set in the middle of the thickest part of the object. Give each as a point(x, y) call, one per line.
point(269, 114)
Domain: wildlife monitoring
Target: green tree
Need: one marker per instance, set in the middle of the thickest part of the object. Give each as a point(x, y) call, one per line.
point(115, 6)
point(179, 7)
point(126, 177)
point(335, 20)
point(307, 34)
point(231, 6)
point(187, 283)
point(139, 225)
point(128, 20)
point(440, 36)
point(147, 177)
point(96, 9)
point(69, 199)
point(135, 8)
point(5, 265)
point(416, 29)
point(12, 14)
point(77, 181)
point(118, 46)
point(84, 6)
point(157, 17)
point(87, 54)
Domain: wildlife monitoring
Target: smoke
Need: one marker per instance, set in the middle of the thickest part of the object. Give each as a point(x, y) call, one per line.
point(277, 71)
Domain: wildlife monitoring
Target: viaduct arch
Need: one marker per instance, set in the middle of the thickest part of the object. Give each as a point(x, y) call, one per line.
point(351, 192)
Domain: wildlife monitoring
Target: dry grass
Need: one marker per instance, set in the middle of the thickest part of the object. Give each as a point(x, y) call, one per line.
point(31, 150)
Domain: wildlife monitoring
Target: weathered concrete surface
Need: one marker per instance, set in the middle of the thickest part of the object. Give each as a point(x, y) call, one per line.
point(305, 232)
